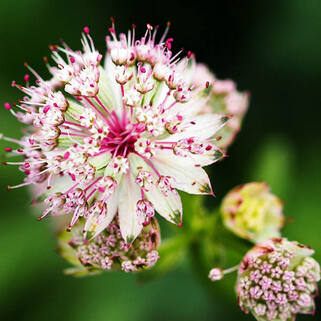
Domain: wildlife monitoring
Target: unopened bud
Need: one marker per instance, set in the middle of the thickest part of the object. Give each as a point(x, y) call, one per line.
point(252, 212)
point(215, 274)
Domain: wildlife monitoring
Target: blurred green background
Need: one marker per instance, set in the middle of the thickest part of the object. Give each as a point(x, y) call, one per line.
point(271, 48)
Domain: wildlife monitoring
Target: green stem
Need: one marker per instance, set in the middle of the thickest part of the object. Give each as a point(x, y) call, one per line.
point(200, 269)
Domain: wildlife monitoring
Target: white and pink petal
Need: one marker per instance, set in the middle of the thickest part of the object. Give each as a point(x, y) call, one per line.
point(170, 205)
point(202, 126)
point(188, 176)
point(129, 195)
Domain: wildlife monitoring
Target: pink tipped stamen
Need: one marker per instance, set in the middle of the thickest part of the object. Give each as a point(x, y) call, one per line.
point(93, 183)
point(75, 124)
point(12, 140)
point(165, 32)
point(34, 72)
point(71, 188)
point(26, 78)
point(86, 30)
point(97, 110)
point(91, 194)
point(48, 181)
point(20, 185)
point(149, 163)
point(73, 134)
point(103, 106)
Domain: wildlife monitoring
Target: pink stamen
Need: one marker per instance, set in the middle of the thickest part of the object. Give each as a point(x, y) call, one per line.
point(46, 109)
point(102, 106)
point(98, 111)
point(72, 134)
point(86, 30)
point(91, 193)
point(93, 183)
point(75, 124)
point(66, 155)
point(149, 163)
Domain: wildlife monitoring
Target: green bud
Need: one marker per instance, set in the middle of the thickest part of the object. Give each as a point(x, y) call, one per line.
point(252, 212)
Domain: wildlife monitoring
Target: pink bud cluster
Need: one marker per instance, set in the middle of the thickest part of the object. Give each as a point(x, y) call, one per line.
point(278, 279)
point(108, 251)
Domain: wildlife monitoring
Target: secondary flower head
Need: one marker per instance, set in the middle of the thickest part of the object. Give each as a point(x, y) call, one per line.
point(108, 251)
point(224, 98)
point(277, 279)
point(252, 212)
point(118, 138)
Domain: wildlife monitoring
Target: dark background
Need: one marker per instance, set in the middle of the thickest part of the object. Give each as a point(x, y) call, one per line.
point(271, 48)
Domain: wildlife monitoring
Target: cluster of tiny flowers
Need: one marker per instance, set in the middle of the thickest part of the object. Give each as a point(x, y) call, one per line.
point(277, 280)
point(224, 98)
point(108, 251)
point(119, 138)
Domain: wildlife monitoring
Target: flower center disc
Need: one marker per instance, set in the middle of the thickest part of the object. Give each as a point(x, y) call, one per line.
point(121, 141)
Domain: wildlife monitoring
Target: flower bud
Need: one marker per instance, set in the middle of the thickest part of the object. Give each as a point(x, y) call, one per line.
point(277, 279)
point(252, 212)
point(108, 251)
point(215, 274)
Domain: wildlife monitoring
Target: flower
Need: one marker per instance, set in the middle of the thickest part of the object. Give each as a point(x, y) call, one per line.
point(108, 251)
point(277, 279)
point(119, 138)
point(224, 98)
point(252, 212)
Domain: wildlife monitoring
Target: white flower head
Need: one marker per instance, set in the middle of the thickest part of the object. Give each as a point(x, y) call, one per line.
point(118, 139)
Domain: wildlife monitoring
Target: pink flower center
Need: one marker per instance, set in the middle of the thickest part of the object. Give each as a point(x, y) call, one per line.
point(121, 138)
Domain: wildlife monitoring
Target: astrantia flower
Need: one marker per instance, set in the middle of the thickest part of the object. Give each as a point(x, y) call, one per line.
point(118, 138)
point(277, 279)
point(251, 211)
point(224, 98)
point(108, 251)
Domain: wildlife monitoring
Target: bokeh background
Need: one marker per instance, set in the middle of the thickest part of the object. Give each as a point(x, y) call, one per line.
point(271, 48)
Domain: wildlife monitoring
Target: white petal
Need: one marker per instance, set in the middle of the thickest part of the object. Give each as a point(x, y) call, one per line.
point(202, 127)
point(74, 110)
point(170, 206)
point(188, 176)
point(191, 108)
point(129, 195)
point(205, 160)
point(109, 89)
point(91, 230)
point(100, 161)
